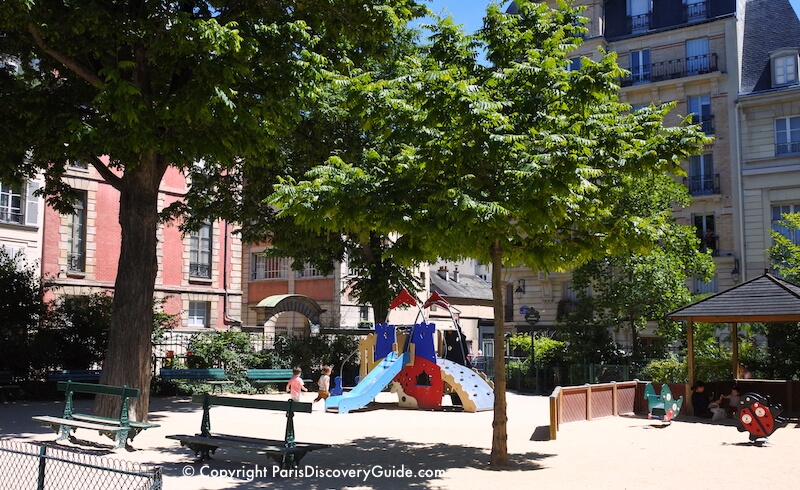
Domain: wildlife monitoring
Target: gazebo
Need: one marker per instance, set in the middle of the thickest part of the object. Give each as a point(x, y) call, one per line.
point(763, 299)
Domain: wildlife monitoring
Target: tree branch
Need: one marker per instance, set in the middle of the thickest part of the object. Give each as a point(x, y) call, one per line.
point(65, 60)
point(106, 173)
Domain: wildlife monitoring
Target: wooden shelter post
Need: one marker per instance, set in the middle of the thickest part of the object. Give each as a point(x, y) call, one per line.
point(690, 351)
point(735, 348)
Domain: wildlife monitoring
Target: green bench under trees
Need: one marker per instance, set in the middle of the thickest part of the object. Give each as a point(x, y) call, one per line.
point(270, 376)
point(74, 375)
point(120, 429)
point(213, 376)
point(287, 452)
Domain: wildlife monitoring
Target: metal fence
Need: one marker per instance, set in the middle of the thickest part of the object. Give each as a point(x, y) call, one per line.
point(26, 466)
point(177, 345)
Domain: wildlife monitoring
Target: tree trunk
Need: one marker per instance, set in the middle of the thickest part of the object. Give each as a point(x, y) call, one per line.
point(499, 454)
point(128, 358)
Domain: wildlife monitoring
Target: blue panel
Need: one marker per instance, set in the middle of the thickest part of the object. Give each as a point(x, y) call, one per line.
point(422, 338)
point(385, 338)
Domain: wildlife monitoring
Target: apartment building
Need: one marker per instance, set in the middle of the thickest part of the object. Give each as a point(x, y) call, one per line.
point(199, 274)
point(723, 63)
point(21, 218)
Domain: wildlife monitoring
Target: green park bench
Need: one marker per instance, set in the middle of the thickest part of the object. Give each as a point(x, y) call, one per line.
point(212, 376)
point(87, 375)
point(120, 428)
point(266, 377)
point(287, 452)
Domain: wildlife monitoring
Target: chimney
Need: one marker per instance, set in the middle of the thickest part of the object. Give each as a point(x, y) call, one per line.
point(443, 273)
point(455, 274)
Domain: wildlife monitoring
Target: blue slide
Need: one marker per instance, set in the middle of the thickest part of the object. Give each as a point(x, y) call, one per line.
point(372, 384)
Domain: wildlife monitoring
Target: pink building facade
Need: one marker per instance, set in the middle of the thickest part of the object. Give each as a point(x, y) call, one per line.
point(199, 273)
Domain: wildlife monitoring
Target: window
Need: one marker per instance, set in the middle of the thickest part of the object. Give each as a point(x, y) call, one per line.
point(309, 271)
point(574, 64)
point(269, 267)
point(640, 66)
point(787, 135)
point(697, 56)
point(78, 163)
point(200, 253)
point(639, 14)
point(199, 313)
point(706, 232)
point(363, 313)
point(11, 205)
point(700, 108)
point(76, 257)
point(777, 217)
point(702, 181)
point(784, 69)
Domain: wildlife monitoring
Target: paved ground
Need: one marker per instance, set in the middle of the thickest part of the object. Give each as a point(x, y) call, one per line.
point(445, 449)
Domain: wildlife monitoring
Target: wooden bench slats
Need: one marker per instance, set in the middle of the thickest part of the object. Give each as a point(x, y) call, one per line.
point(252, 403)
point(107, 420)
point(214, 374)
point(121, 428)
point(286, 453)
point(48, 420)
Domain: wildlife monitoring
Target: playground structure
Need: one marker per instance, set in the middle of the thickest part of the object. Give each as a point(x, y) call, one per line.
point(662, 406)
point(759, 417)
point(421, 365)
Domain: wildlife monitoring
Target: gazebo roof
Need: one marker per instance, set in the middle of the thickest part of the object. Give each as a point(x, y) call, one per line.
point(763, 299)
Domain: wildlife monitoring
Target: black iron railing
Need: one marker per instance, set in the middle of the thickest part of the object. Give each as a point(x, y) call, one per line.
point(76, 262)
point(787, 148)
point(695, 11)
point(11, 217)
point(708, 242)
point(678, 68)
point(702, 185)
point(706, 123)
point(200, 270)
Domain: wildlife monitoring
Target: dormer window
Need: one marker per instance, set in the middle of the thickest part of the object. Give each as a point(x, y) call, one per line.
point(784, 67)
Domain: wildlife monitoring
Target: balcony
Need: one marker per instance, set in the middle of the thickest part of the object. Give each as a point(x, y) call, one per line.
point(679, 68)
point(708, 242)
point(791, 148)
point(706, 123)
point(702, 185)
point(639, 23)
point(695, 11)
point(76, 262)
point(200, 270)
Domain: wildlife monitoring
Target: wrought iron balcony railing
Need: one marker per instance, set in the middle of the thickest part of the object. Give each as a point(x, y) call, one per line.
point(787, 148)
point(666, 70)
point(708, 242)
point(200, 270)
point(695, 11)
point(702, 185)
point(706, 123)
point(76, 262)
point(640, 23)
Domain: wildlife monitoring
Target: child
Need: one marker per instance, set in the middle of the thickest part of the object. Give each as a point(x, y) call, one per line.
point(733, 401)
point(295, 385)
point(324, 384)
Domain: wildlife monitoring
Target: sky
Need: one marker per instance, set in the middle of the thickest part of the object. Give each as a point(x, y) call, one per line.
point(470, 12)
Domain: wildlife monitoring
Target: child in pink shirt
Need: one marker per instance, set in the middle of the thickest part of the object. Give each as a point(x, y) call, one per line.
point(295, 385)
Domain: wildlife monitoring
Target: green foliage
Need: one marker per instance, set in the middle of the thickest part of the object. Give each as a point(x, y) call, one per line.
point(227, 349)
point(548, 350)
point(784, 253)
point(21, 308)
point(669, 370)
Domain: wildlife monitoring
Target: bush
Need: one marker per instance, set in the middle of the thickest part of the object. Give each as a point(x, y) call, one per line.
point(670, 370)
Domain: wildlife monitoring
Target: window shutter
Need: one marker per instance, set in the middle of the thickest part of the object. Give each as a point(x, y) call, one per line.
point(32, 204)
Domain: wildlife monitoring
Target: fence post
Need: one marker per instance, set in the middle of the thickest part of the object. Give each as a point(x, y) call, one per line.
point(588, 401)
point(615, 408)
point(42, 463)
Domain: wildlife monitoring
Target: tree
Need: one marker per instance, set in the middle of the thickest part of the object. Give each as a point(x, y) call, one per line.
point(136, 87)
point(519, 162)
point(630, 288)
point(784, 252)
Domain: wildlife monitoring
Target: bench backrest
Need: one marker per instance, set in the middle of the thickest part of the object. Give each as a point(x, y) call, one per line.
point(266, 374)
point(74, 375)
point(124, 392)
point(197, 373)
point(289, 406)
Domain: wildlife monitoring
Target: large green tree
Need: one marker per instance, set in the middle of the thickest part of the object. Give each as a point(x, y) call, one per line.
point(516, 161)
point(631, 288)
point(136, 87)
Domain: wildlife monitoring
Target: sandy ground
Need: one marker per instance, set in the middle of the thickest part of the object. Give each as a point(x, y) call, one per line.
point(396, 448)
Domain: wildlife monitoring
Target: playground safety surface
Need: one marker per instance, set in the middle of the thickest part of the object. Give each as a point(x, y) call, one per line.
point(384, 446)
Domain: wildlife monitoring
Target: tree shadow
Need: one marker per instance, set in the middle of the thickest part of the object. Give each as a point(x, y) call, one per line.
point(372, 461)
